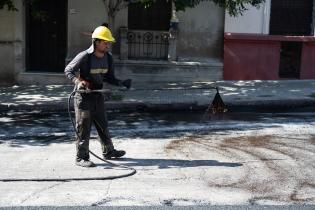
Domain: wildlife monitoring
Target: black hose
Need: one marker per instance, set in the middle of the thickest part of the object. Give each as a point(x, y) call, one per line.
point(133, 171)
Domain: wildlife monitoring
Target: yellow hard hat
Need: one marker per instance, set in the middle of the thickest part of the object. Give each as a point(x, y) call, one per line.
point(103, 33)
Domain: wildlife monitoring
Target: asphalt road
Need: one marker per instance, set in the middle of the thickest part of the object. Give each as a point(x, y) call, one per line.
point(182, 159)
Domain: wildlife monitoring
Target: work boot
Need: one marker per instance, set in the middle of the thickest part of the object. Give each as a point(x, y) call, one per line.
point(114, 154)
point(84, 163)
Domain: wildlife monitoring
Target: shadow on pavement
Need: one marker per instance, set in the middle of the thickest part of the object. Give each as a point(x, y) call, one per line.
point(37, 140)
point(172, 163)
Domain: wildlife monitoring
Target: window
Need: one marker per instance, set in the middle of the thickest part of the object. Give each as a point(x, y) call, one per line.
point(291, 17)
point(156, 17)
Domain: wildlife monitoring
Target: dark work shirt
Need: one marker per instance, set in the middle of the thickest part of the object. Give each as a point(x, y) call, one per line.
point(99, 70)
point(92, 69)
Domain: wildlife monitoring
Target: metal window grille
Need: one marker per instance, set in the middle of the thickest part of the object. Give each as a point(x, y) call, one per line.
point(151, 45)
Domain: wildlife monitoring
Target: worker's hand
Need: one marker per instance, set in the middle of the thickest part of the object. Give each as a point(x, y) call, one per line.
point(126, 83)
point(82, 84)
point(107, 96)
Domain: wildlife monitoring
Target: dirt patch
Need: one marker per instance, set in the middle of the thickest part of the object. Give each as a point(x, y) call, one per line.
point(248, 145)
point(295, 195)
point(253, 201)
point(269, 153)
point(179, 145)
point(180, 201)
point(176, 144)
point(252, 141)
point(229, 185)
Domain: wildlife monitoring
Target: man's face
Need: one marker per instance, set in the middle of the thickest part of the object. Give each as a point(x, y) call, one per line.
point(103, 46)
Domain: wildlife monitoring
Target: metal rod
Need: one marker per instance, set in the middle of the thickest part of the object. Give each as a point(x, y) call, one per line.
point(93, 91)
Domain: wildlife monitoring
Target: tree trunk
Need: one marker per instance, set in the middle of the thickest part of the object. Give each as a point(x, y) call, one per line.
point(113, 7)
point(111, 22)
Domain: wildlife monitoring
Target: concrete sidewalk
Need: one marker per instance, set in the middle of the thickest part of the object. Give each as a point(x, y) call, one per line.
point(236, 94)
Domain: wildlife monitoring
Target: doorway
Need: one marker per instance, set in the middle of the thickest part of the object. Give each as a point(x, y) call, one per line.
point(46, 35)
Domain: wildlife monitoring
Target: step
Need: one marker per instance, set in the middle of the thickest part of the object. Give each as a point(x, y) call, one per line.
point(141, 71)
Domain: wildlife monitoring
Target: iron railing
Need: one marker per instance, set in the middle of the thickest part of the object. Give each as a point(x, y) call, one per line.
point(152, 45)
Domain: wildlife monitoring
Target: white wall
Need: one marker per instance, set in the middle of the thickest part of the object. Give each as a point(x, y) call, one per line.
point(11, 43)
point(85, 16)
point(201, 32)
point(254, 20)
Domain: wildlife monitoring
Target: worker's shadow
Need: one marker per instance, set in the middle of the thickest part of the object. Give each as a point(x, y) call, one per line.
point(169, 163)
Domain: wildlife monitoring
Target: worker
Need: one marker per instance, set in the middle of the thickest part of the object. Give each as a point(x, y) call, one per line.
point(88, 70)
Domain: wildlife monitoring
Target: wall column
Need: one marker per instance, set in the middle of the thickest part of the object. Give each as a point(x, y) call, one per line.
point(266, 18)
point(123, 31)
point(173, 33)
point(313, 19)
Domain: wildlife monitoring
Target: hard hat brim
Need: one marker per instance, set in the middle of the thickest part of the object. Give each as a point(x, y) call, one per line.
point(111, 39)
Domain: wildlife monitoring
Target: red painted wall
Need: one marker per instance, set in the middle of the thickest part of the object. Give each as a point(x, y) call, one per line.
point(308, 61)
point(257, 57)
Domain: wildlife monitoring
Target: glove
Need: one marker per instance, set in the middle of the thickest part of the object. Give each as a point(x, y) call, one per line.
point(81, 84)
point(126, 83)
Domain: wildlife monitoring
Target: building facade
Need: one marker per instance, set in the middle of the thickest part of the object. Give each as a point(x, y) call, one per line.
point(42, 36)
point(273, 42)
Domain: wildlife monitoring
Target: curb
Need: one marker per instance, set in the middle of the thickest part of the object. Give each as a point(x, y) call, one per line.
point(252, 106)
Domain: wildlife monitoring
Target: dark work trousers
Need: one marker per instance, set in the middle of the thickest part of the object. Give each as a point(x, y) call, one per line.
point(90, 108)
